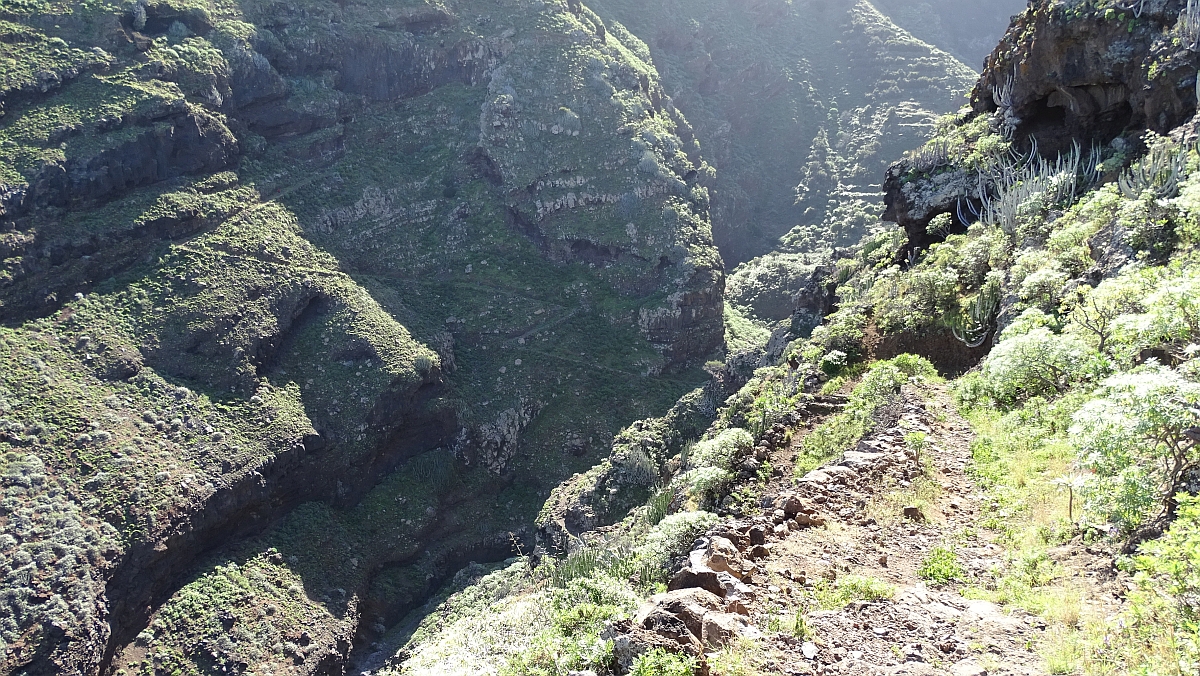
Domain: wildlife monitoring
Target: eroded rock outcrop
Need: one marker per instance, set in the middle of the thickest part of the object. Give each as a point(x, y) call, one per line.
point(1063, 75)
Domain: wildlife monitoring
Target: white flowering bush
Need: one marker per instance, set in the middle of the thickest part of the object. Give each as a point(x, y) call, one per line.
point(705, 485)
point(674, 535)
point(1171, 319)
point(1134, 437)
point(722, 451)
point(1038, 363)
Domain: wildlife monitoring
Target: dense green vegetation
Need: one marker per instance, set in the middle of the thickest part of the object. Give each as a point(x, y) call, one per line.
point(258, 261)
point(307, 304)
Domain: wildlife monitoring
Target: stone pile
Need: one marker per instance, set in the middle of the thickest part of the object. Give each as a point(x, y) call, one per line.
point(707, 602)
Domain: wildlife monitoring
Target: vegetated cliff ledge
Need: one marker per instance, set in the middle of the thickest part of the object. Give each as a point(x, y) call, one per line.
point(1088, 74)
point(309, 470)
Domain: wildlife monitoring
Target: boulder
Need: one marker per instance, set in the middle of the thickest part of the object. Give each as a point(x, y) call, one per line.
point(809, 650)
point(735, 589)
point(689, 578)
point(793, 504)
point(629, 642)
point(839, 470)
point(722, 556)
point(721, 628)
point(689, 605)
point(861, 460)
point(809, 520)
point(670, 627)
point(816, 477)
point(968, 667)
point(757, 535)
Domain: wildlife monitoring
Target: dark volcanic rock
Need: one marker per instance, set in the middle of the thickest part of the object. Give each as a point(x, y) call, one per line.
point(1062, 76)
point(1088, 77)
point(172, 142)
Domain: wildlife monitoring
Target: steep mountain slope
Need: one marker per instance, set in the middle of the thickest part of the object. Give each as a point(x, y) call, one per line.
point(799, 106)
point(1047, 244)
point(967, 30)
point(225, 225)
point(308, 303)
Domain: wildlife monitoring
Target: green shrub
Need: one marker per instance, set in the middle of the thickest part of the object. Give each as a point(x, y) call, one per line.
point(842, 331)
point(941, 567)
point(1042, 288)
point(673, 536)
point(833, 363)
point(972, 255)
point(658, 506)
point(722, 451)
point(1100, 314)
point(1038, 363)
point(914, 300)
point(883, 380)
point(610, 560)
point(584, 618)
point(1159, 630)
point(659, 662)
point(1027, 321)
point(707, 485)
point(1134, 437)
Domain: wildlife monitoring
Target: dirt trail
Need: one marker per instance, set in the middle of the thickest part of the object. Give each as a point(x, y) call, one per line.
point(873, 516)
point(898, 503)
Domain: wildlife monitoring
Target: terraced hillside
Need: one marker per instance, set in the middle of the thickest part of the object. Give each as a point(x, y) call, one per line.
point(849, 511)
point(967, 30)
point(306, 304)
point(800, 106)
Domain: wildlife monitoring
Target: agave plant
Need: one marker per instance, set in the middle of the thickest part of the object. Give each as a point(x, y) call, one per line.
point(1018, 181)
point(932, 157)
point(1189, 25)
point(1135, 6)
point(1006, 120)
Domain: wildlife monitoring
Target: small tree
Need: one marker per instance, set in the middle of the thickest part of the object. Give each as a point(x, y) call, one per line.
point(1097, 310)
point(1137, 438)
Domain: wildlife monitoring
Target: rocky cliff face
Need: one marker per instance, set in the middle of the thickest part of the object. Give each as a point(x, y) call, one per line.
point(1064, 74)
point(799, 106)
point(309, 303)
